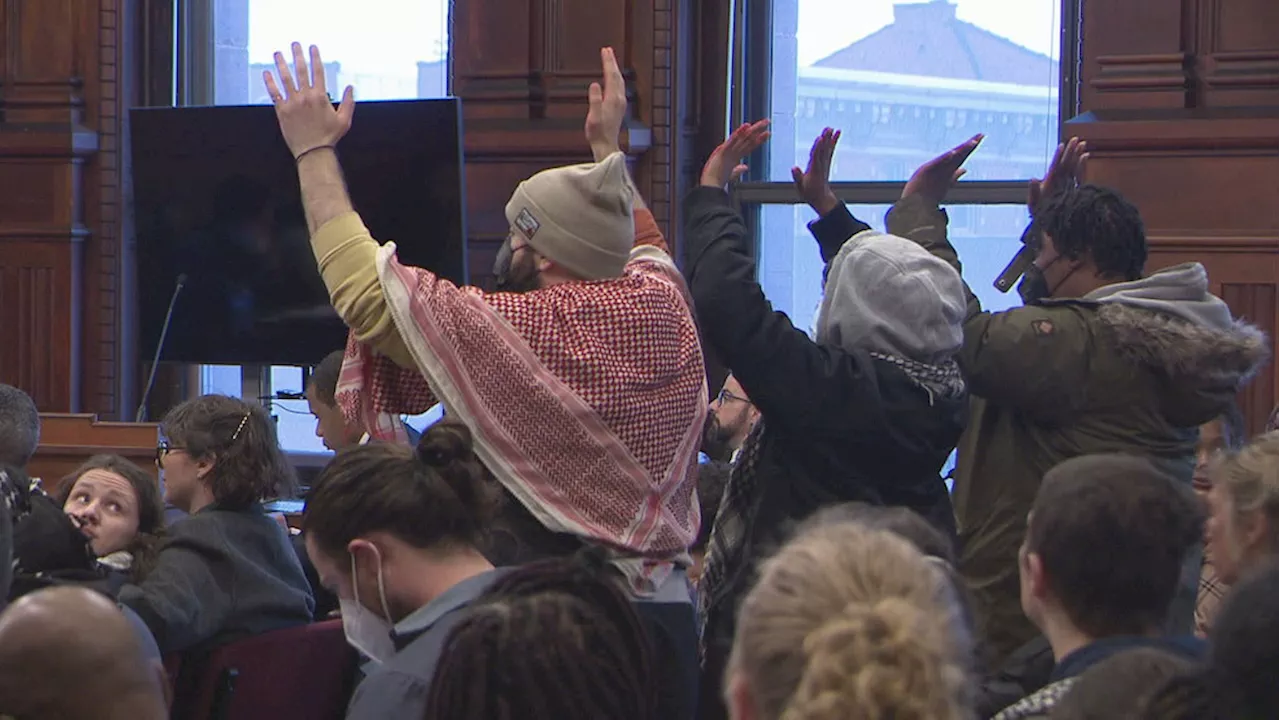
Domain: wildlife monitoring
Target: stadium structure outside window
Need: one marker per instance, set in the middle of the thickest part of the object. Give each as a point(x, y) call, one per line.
point(389, 50)
point(903, 80)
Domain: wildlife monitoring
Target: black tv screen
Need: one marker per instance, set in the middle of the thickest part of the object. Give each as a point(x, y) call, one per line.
point(216, 201)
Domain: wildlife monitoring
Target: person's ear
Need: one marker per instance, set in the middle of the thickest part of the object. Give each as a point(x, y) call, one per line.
point(1036, 580)
point(1256, 531)
point(205, 465)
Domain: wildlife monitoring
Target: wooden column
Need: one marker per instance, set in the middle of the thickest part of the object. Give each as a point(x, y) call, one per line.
point(522, 68)
point(62, 200)
point(44, 146)
point(1178, 101)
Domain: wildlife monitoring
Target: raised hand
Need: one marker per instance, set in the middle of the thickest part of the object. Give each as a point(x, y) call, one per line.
point(607, 107)
point(933, 179)
point(814, 183)
point(725, 163)
point(1064, 171)
point(307, 117)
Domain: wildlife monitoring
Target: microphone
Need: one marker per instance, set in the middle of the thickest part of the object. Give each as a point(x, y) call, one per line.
point(155, 362)
point(1016, 268)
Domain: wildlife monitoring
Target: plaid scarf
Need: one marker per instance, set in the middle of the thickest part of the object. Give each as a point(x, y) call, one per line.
point(942, 380)
point(586, 400)
point(730, 528)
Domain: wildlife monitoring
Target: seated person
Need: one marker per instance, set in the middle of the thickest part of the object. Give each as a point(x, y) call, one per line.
point(1240, 678)
point(102, 528)
point(69, 653)
point(847, 621)
point(332, 427)
point(1242, 526)
point(395, 534)
point(227, 571)
point(557, 639)
point(1100, 565)
point(19, 427)
point(1121, 686)
point(1223, 434)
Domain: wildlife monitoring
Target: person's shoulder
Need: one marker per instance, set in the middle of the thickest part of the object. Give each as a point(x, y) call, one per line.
point(390, 691)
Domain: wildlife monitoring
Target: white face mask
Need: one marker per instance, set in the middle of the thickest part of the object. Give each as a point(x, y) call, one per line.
point(365, 630)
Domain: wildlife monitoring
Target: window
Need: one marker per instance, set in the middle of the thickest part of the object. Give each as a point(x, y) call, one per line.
point(903, 80)
point(388, 50)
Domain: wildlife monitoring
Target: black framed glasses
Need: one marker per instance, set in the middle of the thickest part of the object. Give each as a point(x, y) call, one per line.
point(726, 397)
point(164, 448)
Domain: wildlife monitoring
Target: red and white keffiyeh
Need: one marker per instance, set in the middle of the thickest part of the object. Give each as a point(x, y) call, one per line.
point(586, 400)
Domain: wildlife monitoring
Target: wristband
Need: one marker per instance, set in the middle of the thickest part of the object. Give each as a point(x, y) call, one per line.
point(298, 158)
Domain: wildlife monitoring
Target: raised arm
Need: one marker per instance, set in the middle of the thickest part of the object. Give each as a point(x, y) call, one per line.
point(1033, 358)
point(345, 251)
point(835, 224)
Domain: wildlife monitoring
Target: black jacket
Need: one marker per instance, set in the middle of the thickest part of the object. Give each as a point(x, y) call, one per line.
point(840, 426)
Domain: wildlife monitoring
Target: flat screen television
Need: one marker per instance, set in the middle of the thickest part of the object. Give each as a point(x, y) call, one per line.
point(216, 201)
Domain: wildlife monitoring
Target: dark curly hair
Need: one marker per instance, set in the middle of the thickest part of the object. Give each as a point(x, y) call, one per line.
point(146, 544)
point(435, 495)
point(556, 639)
point(240, 438)
point(1098, 223)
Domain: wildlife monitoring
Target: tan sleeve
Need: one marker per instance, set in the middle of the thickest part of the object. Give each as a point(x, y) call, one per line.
point(347, 255)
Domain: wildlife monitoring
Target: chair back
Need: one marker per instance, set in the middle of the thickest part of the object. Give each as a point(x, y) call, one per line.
point(303, 672)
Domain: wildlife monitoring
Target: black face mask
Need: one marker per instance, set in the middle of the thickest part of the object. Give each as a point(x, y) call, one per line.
point(514, 273)
point(502, 263)
point(1033, 288)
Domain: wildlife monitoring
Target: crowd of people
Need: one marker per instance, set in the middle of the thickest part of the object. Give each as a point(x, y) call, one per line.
point(597, 530)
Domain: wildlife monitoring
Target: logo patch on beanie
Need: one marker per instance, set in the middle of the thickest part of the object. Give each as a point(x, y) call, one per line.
point(527, 223)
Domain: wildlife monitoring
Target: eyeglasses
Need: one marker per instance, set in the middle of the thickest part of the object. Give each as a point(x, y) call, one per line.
point(725, 397)
point(164, 448)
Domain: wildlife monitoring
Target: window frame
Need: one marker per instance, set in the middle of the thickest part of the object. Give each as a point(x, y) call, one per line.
point(749, 98)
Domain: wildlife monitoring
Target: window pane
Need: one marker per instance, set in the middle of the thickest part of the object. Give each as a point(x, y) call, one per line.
point(904, 81)
point(790, 268)
point(389, 50)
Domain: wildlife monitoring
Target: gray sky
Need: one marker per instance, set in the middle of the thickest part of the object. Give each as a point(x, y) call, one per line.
point(381, 34)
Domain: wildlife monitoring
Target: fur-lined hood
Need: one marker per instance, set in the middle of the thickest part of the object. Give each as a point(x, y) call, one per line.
point(1170, 321)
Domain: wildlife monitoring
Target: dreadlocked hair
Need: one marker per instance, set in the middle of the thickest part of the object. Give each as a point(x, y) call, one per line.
point(1097, 222)
point(556, 639)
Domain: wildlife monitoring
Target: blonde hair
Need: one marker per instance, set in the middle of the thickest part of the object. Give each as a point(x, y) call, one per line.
point(1249, 477)
point(849, 622)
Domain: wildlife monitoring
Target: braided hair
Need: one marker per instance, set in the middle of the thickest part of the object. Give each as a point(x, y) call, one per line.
point(556, 639)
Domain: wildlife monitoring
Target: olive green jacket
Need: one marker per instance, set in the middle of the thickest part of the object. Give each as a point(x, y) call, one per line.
point(1132, 367)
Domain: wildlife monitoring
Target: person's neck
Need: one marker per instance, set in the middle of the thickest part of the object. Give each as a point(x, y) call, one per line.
point(1082, 283)
point(431, 574)
point(1064, 637)
point(202, 499)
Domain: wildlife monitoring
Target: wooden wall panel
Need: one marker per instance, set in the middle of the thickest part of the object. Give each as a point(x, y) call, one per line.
point(1178, 101)
point(68, 72)
point(522, 68)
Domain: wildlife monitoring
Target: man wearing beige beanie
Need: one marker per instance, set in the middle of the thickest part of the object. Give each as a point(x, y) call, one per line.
point(582, 382)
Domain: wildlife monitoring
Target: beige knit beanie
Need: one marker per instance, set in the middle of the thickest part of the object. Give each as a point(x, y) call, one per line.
point(578, 216)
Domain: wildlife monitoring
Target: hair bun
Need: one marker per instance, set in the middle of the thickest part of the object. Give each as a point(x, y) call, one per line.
point(883, 657)
point(444, 444)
